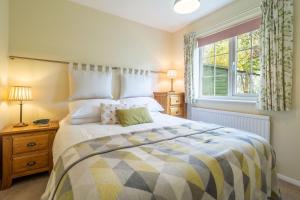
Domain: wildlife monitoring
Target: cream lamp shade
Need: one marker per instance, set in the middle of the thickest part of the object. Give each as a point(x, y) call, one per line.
point(186, 6)
point(20, 93)
point(172, 73)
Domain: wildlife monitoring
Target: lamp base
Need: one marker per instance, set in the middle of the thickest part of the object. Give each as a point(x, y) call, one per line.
point(19, 125)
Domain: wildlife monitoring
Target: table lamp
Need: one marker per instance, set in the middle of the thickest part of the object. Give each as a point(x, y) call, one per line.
point(20, 93)
point(172, 73)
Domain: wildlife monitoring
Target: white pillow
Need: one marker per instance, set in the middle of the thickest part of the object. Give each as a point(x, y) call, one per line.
point(136, 85)
point(88, 110)
point(83, 121)
point(90, 85)
point(151, 103)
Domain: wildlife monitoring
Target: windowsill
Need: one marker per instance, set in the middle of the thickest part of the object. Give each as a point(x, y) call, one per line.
point(229, 100)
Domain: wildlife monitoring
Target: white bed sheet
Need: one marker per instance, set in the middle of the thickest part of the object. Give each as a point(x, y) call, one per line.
point(69, 135)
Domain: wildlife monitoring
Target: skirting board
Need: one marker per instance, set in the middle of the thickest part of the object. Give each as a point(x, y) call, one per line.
point(289, 180)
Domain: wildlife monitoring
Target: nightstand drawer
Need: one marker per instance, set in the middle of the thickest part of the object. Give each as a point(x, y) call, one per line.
point(175, 100)
point(29, 143)
point(176, 111)
point(30, 162)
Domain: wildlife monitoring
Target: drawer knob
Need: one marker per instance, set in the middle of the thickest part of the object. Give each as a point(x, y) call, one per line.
point(31, 163)
point(31, 144)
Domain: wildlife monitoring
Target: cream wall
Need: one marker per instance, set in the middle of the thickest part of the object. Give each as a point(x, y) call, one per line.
point(4, 37)
point(62, 30)
point(59, 29)
point(285, 125)
point(49, 83)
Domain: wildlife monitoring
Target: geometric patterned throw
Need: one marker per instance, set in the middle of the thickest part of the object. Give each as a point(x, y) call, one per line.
point(184, 162)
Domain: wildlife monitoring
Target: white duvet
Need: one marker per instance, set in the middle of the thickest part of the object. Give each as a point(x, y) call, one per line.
point(69, 135)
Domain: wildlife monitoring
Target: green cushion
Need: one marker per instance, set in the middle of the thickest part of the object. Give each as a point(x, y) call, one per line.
point(129, 117)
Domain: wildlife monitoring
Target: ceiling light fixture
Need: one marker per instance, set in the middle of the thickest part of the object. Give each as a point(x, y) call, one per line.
point(186, 6)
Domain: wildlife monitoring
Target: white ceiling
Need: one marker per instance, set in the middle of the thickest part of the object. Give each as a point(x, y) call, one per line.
point(155, 13)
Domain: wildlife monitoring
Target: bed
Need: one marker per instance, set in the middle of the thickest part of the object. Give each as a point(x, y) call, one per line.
point(171, 158)
point(167, 158)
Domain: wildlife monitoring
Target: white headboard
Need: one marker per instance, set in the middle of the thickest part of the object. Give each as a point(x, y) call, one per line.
point(116, 74)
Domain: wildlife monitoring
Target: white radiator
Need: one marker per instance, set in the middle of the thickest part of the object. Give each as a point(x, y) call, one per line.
point(257, 124)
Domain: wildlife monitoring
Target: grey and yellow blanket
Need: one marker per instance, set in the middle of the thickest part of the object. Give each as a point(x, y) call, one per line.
point(189, 161)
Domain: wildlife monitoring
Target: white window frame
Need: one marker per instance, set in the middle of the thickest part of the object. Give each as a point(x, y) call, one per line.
point(232, 93)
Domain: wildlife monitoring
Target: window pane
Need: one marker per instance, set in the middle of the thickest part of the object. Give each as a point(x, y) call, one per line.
point(255, 77)
point(222, 61)
point(256, 38)
point(222, 47)
point(244, 41)
point(221, 82)
point(243, 74)
point(243, 81)
point(208, 70)
point(208, 51)
point(208, 86)
point(209, 61)
point(244, 61)
point(222, 66)
point(208, 79)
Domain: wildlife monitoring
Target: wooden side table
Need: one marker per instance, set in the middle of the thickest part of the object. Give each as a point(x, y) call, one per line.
point(26, 151)
point(172, 102)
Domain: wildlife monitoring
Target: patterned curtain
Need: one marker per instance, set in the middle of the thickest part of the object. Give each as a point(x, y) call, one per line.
point(190, 44)
point(277, 55)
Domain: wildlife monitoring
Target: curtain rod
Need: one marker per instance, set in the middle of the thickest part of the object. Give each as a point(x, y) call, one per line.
point(65, 62)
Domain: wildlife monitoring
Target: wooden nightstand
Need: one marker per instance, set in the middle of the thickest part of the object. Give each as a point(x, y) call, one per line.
point(26, 150)
point(173, 103)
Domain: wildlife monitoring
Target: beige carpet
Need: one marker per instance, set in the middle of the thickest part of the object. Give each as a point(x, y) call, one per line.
point(27, 188)
point(31, 188)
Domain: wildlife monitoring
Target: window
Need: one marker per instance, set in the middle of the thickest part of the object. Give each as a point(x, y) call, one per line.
point(229, 65)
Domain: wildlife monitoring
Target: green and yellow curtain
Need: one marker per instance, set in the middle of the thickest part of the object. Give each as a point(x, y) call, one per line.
point(190, 44)
point(277, 55)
